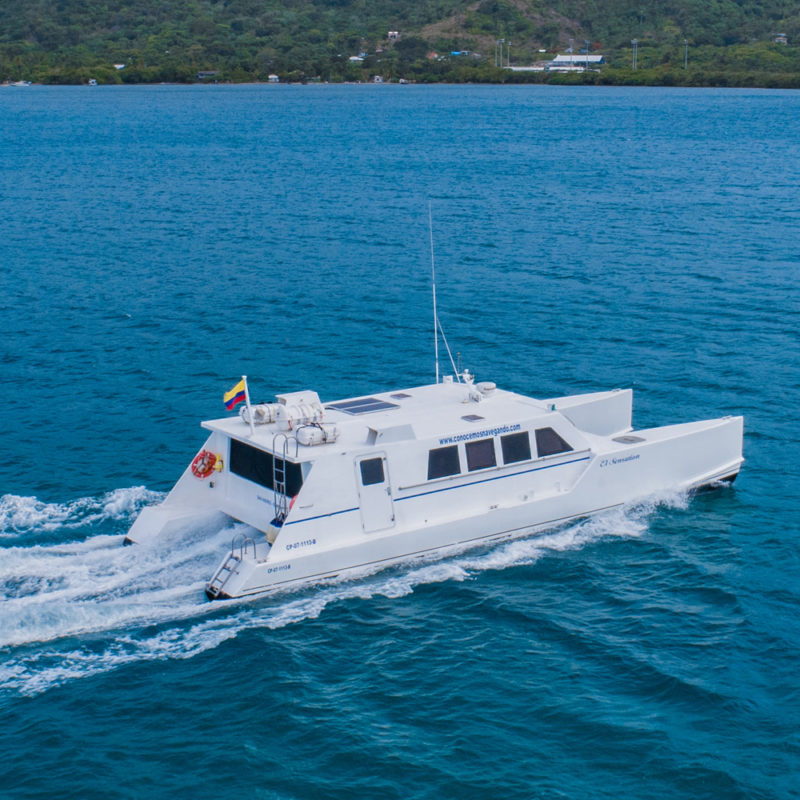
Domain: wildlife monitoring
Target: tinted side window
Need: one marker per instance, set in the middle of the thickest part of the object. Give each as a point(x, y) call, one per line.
point(548, 443)
point(371, 471)
point(256, 465)
point(443, 461)
point(480, 454)
point(294, 477)
point(516, 447)
point(251, 463)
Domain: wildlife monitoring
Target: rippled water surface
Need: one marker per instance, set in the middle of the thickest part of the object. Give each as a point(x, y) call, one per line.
point(159, 242)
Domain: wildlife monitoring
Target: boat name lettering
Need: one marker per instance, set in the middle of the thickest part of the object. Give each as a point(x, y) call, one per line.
point(610, 462)
point(463, 437)
point(295, 545)
point(278, 568)
point(263, 499)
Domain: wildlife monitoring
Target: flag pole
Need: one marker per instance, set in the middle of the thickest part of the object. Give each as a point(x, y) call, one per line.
point(249, 410)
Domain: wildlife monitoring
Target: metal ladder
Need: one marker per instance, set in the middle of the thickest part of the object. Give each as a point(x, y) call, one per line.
point(215, 586)
point(280, 499)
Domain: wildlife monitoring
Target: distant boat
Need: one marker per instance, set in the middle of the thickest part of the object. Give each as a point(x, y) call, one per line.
point(20, 83)
point(92, 82)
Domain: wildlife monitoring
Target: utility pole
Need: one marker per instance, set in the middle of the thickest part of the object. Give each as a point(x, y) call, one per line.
point(586, 42)
point(635, 43)
point(509, 52)
point(498, 52)
point(685, 53)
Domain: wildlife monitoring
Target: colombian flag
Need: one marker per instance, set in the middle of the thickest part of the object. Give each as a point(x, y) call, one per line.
point(234, 396)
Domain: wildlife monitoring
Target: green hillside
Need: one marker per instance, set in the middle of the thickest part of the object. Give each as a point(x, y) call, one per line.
point(728, 42)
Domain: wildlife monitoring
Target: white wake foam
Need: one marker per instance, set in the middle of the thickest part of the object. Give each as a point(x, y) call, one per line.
point(98, 587)
point(21, 515)
point(56, 591)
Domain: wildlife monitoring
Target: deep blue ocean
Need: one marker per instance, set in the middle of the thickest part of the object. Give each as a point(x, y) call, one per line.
point(158, 242)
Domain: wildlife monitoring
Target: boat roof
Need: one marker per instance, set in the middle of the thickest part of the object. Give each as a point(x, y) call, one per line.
point(447, 411)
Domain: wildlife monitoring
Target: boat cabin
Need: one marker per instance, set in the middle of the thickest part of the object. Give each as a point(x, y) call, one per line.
point(388, 458)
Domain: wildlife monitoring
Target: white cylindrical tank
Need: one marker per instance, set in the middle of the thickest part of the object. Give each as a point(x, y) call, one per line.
point(263, 413)
point(319, 433)
point(291, 417)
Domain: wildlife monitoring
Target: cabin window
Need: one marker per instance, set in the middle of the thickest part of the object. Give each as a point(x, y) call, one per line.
point(257, 466)
point(294, 477)
point(548, 443)
point(443, 461)
point(371, 471)
point(480, 454)
point(516, 447)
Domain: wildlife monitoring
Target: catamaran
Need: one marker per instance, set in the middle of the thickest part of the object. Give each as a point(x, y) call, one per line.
point(330, 488)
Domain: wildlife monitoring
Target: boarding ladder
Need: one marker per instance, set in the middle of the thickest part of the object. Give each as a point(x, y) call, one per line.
point(239, 547)
point(280, 498)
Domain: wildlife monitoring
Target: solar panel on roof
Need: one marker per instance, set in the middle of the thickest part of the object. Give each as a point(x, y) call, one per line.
point(364, 405)
point(361, 401)
point(379, 406)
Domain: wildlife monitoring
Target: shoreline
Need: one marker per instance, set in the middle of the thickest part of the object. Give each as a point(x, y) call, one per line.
point(378, 85)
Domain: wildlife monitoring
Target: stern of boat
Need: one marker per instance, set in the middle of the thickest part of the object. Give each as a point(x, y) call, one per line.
point(198, 495)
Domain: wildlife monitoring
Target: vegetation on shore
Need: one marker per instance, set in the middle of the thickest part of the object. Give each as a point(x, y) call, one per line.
point(679, 43)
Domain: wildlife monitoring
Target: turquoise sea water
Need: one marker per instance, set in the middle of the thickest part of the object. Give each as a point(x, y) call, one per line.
point(158, 242)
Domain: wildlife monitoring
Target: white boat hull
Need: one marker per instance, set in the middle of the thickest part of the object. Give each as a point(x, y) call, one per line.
point(276, 568)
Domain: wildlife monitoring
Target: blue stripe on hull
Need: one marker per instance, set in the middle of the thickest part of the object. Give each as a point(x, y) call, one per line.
point(450, 488)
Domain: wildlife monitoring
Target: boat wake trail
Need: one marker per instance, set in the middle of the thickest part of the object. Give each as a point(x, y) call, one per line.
point(23, 516)
point(81, 608)
point(53, 591)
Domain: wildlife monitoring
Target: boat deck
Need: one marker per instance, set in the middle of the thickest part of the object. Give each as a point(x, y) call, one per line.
point(442, 410)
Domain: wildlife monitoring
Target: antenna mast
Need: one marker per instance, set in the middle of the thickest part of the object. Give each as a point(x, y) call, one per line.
point(433, 280)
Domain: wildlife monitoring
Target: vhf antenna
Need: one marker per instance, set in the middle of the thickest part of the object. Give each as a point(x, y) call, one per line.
point(437, 326)
point(433, 281)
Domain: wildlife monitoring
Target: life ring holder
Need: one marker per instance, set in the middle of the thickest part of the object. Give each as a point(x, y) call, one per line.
point(203, 464)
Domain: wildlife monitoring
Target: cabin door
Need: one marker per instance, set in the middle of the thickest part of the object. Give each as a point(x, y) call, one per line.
point(374, 493)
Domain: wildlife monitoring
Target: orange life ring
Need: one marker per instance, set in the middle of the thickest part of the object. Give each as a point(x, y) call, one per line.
point(203, 464)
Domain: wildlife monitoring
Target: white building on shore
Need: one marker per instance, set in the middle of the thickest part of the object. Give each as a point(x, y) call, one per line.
point(577, 60)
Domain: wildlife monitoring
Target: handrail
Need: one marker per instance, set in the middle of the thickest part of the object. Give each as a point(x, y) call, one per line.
point(286, 439)
point(280, 500)
point(243, 542)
